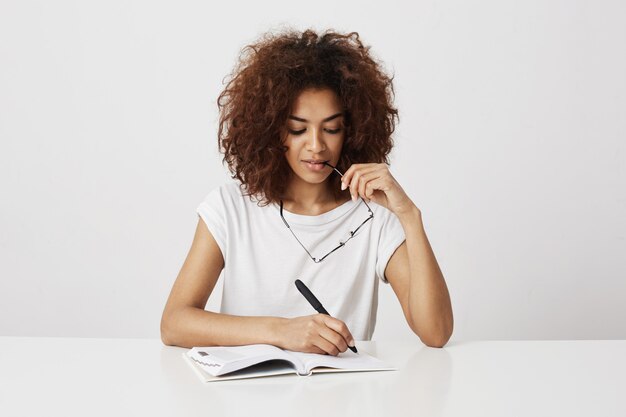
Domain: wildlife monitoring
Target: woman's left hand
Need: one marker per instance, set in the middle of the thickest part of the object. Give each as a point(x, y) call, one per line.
point(375, 183)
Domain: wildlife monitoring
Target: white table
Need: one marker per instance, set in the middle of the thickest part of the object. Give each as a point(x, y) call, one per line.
point(75, 376)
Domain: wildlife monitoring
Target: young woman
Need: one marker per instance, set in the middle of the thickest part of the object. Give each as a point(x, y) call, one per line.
point(305, 128)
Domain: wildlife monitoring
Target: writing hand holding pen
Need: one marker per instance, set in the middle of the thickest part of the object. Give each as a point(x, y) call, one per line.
point(315, 303)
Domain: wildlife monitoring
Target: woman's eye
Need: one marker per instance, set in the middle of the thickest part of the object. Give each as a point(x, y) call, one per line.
point(299, 132)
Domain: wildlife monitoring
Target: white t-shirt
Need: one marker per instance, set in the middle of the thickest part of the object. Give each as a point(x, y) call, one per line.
point(263, 259)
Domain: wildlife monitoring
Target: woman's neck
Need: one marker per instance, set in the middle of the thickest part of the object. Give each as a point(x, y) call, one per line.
point(310, 199)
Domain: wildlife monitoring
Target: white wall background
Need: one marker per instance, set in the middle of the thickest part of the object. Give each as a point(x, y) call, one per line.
point(511, 141)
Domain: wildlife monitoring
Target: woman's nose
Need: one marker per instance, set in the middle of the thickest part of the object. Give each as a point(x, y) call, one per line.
point(315, 141)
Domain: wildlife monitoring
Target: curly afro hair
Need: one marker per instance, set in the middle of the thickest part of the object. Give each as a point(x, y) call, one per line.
point(264, 85)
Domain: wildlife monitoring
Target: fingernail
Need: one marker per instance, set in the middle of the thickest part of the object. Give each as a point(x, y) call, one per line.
point(353, 197)
point(344, 185)
point(351, 344)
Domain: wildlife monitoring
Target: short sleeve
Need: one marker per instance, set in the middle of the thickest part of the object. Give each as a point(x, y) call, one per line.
point(391, 237)
point(212, 211)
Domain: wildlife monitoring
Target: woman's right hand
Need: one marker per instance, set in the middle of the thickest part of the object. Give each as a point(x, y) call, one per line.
point(317, 333)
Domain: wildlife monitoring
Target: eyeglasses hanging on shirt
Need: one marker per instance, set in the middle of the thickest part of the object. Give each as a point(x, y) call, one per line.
point(341, 242)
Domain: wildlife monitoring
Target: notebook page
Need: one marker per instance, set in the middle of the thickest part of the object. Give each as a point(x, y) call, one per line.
point(345, 360)
point(219, 360)
point(264, 369)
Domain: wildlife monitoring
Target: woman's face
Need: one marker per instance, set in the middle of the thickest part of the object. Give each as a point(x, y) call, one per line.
point(315, 131)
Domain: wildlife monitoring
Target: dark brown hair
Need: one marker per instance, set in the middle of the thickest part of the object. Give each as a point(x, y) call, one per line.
point(264, 85)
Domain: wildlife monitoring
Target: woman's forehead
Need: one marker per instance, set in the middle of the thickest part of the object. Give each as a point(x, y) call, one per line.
point(316, 105)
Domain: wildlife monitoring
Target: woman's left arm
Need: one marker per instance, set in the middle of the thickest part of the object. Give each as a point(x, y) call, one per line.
point(412, 271)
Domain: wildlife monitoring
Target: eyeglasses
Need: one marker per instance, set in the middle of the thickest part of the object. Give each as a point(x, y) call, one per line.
point(341, 242)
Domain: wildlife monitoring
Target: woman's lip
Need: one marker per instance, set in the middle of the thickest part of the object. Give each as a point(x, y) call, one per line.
point(315, 167)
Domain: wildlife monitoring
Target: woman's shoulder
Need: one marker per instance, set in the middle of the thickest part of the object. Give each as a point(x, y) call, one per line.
point(232, 188)
point(231, 195)
point(226, 189)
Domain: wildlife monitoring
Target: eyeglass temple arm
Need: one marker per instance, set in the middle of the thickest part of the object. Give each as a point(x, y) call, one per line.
point(335, 168)
point(281, 215)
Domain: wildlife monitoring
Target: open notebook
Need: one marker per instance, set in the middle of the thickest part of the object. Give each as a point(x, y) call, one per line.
point(219, 363)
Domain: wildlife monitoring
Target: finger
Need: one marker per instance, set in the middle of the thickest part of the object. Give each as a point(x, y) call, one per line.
point(359, 179)
point(326, 346)
point(336, 339)
point(347, 176)
point(354, 182)
point(341, 328)
point(366, 183)
point(345, 179)
point(315, 349)
point(377, 184)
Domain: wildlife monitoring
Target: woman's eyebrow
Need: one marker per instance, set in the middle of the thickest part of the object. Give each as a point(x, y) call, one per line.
point(329, 118)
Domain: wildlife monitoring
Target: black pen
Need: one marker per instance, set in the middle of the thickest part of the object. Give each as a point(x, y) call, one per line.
point(315, 303)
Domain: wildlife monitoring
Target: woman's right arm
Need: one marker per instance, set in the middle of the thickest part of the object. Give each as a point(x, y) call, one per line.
point(185, 322)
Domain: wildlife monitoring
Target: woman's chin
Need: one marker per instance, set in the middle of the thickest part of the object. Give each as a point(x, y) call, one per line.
point(313, 177)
